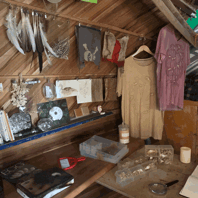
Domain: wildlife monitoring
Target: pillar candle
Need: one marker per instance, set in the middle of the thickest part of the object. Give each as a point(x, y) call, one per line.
point(185, 155)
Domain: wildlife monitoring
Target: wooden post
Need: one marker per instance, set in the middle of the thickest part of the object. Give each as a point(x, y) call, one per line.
point(172, 14)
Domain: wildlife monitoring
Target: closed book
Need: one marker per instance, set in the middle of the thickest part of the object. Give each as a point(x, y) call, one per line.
point(10, 133)
point(4, 129)
point(44, 183)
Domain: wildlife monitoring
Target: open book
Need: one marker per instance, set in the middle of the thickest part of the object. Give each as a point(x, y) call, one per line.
point(191, 187)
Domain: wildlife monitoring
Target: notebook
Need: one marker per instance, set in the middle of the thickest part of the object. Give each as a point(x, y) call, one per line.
point(191, 187)
point(45, 184)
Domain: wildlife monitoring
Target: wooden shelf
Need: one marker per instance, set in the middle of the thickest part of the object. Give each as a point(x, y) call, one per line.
point(85, 173)
point(73, 123)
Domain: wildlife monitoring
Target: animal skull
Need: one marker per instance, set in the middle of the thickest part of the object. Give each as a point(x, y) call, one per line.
point(88, 56)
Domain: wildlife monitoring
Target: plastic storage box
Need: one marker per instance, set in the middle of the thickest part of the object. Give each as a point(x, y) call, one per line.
point(139, 160)
point(163, 153)
point(128, 175)
point(166, 154)
point(126, 163)
point(100, 148)
point(149, 166)
point(151, 151)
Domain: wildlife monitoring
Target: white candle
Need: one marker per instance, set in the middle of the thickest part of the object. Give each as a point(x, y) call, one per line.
point(185, 155)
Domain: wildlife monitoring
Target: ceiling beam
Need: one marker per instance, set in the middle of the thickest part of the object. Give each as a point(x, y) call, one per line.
point(80, 20)
point(172, 14)
point(185, 7)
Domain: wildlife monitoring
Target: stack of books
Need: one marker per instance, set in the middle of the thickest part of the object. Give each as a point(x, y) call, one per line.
point(32, 182)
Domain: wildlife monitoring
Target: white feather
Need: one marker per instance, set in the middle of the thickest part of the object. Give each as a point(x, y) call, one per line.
point(15, 27)
point(14, 41)
point(48, 58)
point(44, 41)
point(11, 32)
point(30, 33)
point(10, 24)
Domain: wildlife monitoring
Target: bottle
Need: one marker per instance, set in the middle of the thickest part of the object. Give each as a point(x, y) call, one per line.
point(124, 133)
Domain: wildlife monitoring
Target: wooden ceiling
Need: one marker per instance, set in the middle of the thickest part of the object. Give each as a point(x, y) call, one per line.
point(138, 16)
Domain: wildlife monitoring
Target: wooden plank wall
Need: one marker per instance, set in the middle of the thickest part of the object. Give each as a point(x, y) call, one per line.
point(141, 17)
point(131, 15)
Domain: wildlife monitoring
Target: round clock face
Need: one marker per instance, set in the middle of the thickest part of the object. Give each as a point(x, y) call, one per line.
point(56, 113)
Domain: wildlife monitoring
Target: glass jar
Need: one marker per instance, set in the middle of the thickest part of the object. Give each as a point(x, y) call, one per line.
point(124, 133)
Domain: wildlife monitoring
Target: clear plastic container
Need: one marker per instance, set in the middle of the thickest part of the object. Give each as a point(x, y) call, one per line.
point(149, 166)
point(139, 160)
point(128, 175)
point(126, 163)
point(151, 151)
point(101, 148)
point(166, 154)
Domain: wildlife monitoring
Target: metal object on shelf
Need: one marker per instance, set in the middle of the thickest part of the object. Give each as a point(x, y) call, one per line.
point(45, 124)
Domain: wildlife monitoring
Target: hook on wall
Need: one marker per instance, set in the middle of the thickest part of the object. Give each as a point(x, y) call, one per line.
point(142, 38)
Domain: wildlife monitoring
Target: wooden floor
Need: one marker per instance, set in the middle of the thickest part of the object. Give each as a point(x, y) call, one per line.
point(98, 191)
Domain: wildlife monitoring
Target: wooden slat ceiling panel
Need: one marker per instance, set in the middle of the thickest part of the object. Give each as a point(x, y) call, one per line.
point(140, 16)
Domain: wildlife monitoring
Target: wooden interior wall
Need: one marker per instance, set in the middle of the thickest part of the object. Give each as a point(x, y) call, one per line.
point(139, 16)
point(134, 15)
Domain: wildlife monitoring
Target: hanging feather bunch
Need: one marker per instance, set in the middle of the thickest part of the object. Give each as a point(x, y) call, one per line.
point(26, 37)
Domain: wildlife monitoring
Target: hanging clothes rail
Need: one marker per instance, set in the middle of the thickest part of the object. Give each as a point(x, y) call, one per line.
point(102, 25)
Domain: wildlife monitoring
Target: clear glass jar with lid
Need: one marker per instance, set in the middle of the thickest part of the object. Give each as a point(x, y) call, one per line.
point(124, 133)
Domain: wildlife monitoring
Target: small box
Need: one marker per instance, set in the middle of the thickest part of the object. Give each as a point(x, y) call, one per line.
point(101, 148)
point(128, 175)
point(166, 154)
point(163, 153)
point(85, 111)
point(139, 160)
point(78, 112)
point(151, 151)
point(126, 163)
point(149, 166)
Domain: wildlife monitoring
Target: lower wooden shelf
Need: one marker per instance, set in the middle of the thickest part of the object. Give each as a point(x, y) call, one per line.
point(85, 173)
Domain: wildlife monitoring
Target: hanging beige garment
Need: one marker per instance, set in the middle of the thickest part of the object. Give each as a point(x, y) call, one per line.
point(137, 85)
